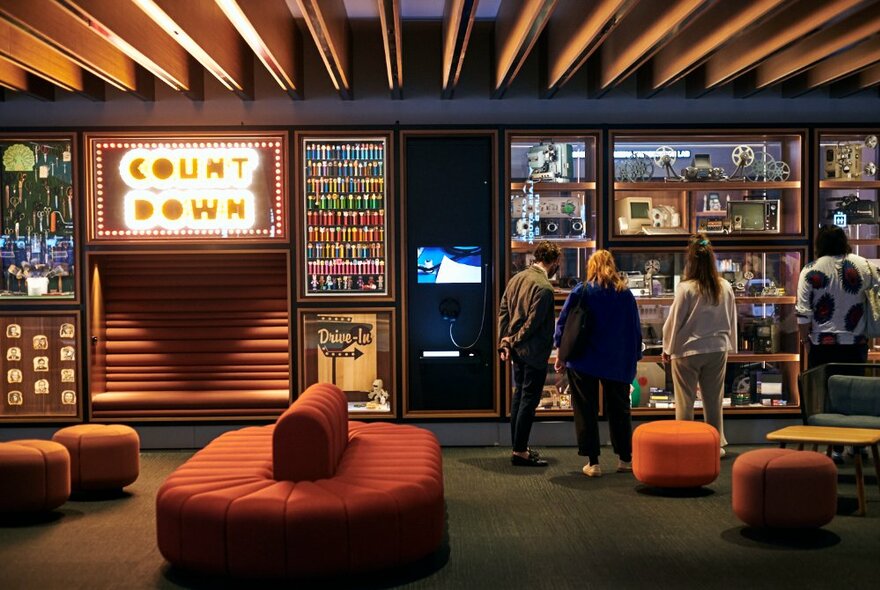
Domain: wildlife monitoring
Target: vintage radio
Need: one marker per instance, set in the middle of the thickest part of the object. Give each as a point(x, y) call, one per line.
point(713, 224)
point(765, 336)
point(559, 217)
point(754, 216)
point(550, 162)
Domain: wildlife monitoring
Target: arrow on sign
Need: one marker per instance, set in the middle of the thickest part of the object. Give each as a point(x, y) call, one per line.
point(356, 353)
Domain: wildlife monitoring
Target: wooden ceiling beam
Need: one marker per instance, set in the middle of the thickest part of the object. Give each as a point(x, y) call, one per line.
point(458, 20)
point(834, 68)
point(124, 25)
point(808, 51)
point(33, 55)
point(392, 40)
point(705, 35)
point(866, 78)
point(517, 28)
point(645, 31)
point(269, 29)
point(15, 78)
point(61, 30)
point(752, 47)
point(328, 23)
point(576, 29)
point(201, 28)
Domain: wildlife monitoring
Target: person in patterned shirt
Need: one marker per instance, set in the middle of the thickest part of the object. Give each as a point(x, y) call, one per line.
point(831, 302)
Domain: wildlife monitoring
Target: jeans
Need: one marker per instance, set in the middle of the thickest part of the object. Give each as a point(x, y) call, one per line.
point(528, 382)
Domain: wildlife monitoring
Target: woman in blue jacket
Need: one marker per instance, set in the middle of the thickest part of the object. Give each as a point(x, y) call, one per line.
point(608, 355)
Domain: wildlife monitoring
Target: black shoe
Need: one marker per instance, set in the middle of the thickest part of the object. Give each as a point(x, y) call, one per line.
point(518, 461)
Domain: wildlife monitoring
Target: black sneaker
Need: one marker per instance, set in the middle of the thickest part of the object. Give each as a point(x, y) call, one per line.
point(518, 461)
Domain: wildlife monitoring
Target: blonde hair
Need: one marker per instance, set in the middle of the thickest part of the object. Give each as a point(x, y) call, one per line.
point(602, 271)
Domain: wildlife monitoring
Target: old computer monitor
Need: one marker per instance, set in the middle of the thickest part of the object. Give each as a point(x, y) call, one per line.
point(632, 213)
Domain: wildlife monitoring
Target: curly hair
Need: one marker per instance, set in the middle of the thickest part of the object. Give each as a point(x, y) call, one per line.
point(547, 252)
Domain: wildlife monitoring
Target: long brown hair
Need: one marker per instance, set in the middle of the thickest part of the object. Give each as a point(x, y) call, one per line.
point(700, 267)
point(602, 271)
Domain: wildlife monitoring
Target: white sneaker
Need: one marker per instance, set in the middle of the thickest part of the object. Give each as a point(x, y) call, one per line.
point(723, 452)
point(624, 466)
point(592, 470)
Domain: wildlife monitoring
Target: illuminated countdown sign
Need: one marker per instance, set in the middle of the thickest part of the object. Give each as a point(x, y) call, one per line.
point(188, 188)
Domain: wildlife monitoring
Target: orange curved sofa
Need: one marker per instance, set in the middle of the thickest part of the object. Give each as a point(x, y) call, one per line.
point(311, 495)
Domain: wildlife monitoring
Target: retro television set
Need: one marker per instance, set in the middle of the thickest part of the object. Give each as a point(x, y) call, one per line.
point(754, 216)
point(449, 264)
point(633, 213)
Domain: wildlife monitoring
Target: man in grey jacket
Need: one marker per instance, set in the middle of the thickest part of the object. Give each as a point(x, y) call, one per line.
point(525, 326)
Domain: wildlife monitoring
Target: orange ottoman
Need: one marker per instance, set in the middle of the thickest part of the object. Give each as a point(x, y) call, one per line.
point(676, 454)
point(784, 488)
point(34, 476)
point(102, 456)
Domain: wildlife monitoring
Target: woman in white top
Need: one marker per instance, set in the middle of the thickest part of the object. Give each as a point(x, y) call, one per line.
point(698, 334)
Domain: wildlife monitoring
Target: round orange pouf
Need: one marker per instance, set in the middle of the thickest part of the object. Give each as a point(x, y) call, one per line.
point(676, 454)
point(102, 456)
point(783, 488)
point(34, 476)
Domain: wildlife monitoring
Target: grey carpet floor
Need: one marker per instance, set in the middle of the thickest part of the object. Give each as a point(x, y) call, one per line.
point(506, 528)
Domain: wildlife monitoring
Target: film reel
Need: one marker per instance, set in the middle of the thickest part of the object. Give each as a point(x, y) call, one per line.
point(760, 168)
point(871, 169)
point(742, 156)
point(664, 157)
point(652, 266)
point(742, 384)
point(778, 171)
point(871, 141)
point(641, 168)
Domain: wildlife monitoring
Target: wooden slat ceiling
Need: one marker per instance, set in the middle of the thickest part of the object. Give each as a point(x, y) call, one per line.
point(831, 47)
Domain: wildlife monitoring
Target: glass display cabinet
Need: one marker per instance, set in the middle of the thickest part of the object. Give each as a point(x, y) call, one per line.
point(37, 231)
point(353, 349)
point(762, 374)
point(848, 191)
point(552, 189)
point(344, 218)
point(734, 185)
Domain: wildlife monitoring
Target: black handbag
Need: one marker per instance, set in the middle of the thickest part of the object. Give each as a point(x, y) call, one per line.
point(576, 334)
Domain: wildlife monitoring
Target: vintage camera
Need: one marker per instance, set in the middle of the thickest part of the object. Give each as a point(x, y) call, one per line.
point(701, 169)
point(843, 161)
point(550, 162)
point(857, 210)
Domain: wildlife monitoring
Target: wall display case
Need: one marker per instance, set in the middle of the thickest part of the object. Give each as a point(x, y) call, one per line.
point(39, 365)
point(187, 187)
point(762, 375)
point(344, 216)
point(552, 180)
point(37, 230)
point(735, 185)
point(353, 349)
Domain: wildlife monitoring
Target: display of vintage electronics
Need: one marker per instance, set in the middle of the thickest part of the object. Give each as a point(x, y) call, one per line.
point(701, 169)
point(713, 224)
point(754, 216)
point(765, 336)
point(561, 217)
point(844, 160)
point(550, 162)
point(633, 213)
point(856, 209)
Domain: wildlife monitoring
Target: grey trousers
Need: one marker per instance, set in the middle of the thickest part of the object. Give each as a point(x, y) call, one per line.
point(707, 370)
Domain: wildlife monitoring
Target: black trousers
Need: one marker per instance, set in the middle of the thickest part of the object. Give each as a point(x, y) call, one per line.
point(528, 382)
point(585, 402)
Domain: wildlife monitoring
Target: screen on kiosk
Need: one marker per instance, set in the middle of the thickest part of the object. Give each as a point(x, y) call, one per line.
point(449, 264)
